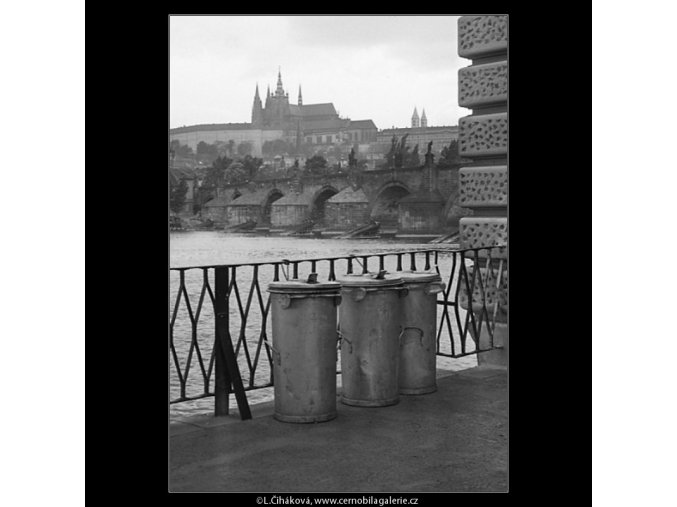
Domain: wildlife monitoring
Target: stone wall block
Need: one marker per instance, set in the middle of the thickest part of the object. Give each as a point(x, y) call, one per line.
point(483, 186)
point(480, 85)
point(480, 36)
point(483, 135)
point(479, 232)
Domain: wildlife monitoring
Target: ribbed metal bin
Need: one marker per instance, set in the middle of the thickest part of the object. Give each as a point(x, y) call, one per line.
point(304, 350)
point(369, 318)
point(418, 345)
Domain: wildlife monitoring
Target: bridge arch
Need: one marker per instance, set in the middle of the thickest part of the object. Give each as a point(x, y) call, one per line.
point(266, 205)
point(384, 209)
point(318, 203)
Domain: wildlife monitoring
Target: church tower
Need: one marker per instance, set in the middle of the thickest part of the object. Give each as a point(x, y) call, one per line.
point(257, 109)
point(424, 120)
point(415, 119)
point(276, 112)
point(279, 91)
point(300, 97)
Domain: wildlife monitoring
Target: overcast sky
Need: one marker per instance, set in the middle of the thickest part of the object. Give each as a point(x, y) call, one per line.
point(376, 67)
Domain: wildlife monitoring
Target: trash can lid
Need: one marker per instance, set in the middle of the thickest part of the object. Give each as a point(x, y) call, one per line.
point(371, 280)
point(302, 286)
point(420, 276)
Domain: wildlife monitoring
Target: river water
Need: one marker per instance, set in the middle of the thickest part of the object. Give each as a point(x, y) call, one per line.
point(200, 248)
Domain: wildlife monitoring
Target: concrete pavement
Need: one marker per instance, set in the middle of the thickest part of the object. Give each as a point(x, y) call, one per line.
point(453, 440)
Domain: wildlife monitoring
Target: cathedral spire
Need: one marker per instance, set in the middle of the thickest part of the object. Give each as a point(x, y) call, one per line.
point(415, 119)
point(300, 97)
point(424, 119)
point(279, 90)
point(257, 108)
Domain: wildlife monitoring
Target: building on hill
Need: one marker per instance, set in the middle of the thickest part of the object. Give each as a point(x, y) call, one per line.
point(317, 125)
point(419, 133)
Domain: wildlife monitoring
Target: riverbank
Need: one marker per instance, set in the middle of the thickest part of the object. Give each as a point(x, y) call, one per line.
point(448, 239)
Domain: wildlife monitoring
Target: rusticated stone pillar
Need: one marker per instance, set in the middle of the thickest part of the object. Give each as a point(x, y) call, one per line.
point(483, 139)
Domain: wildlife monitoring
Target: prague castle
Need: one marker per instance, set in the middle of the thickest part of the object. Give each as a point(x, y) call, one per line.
point(318, 125)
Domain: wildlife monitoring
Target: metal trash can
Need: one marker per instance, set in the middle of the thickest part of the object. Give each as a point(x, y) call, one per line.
point(369, 319)
point(304, 349)
point(418, 342)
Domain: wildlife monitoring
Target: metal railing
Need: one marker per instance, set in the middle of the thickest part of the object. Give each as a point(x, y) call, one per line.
point(238, 329)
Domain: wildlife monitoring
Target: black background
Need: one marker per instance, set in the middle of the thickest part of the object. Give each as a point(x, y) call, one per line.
point(127, 324)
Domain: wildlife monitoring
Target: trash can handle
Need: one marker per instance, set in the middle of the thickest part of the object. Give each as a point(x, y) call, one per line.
point(342, 336)
point(286, 298)
point(403, 291)
point(435, 288)
point(276, 355)
point(404, 330)
point(359, 294)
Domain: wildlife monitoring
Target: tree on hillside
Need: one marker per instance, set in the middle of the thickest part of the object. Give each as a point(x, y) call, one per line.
point(180, 150)
point(251, 166)
point(278, 147)
point(207, 150)
point(221, 148)
point(449, 155)
point(244, 148)
point(177, 195)
point(316, 165)
point(235, 173)
point(216, 174)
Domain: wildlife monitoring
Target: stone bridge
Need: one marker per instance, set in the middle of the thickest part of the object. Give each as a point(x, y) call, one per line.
point(421, 199)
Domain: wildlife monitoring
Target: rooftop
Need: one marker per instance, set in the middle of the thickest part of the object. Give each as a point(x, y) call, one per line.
point(323, 109)
point(349, 195)
point(211, 126)
point(362, 124)
point(415, 130)
point(251, 198)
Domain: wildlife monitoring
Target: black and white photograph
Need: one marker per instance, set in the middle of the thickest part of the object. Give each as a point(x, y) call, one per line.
point(310, 306)
point(338, 247)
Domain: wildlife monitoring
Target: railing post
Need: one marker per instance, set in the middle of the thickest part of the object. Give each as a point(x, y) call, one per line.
point(227, 371)
point(222, 379)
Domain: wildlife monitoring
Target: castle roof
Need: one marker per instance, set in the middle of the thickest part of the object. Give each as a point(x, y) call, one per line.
point(329, 124)
point(326, 109)
point(211, 126)
point(362, 124)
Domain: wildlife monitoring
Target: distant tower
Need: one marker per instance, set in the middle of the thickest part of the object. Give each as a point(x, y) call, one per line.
point(279, 91)
point(424, 120)
point(257, 108)
point(277, 112)
point(414, 119)
point(300, 97)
